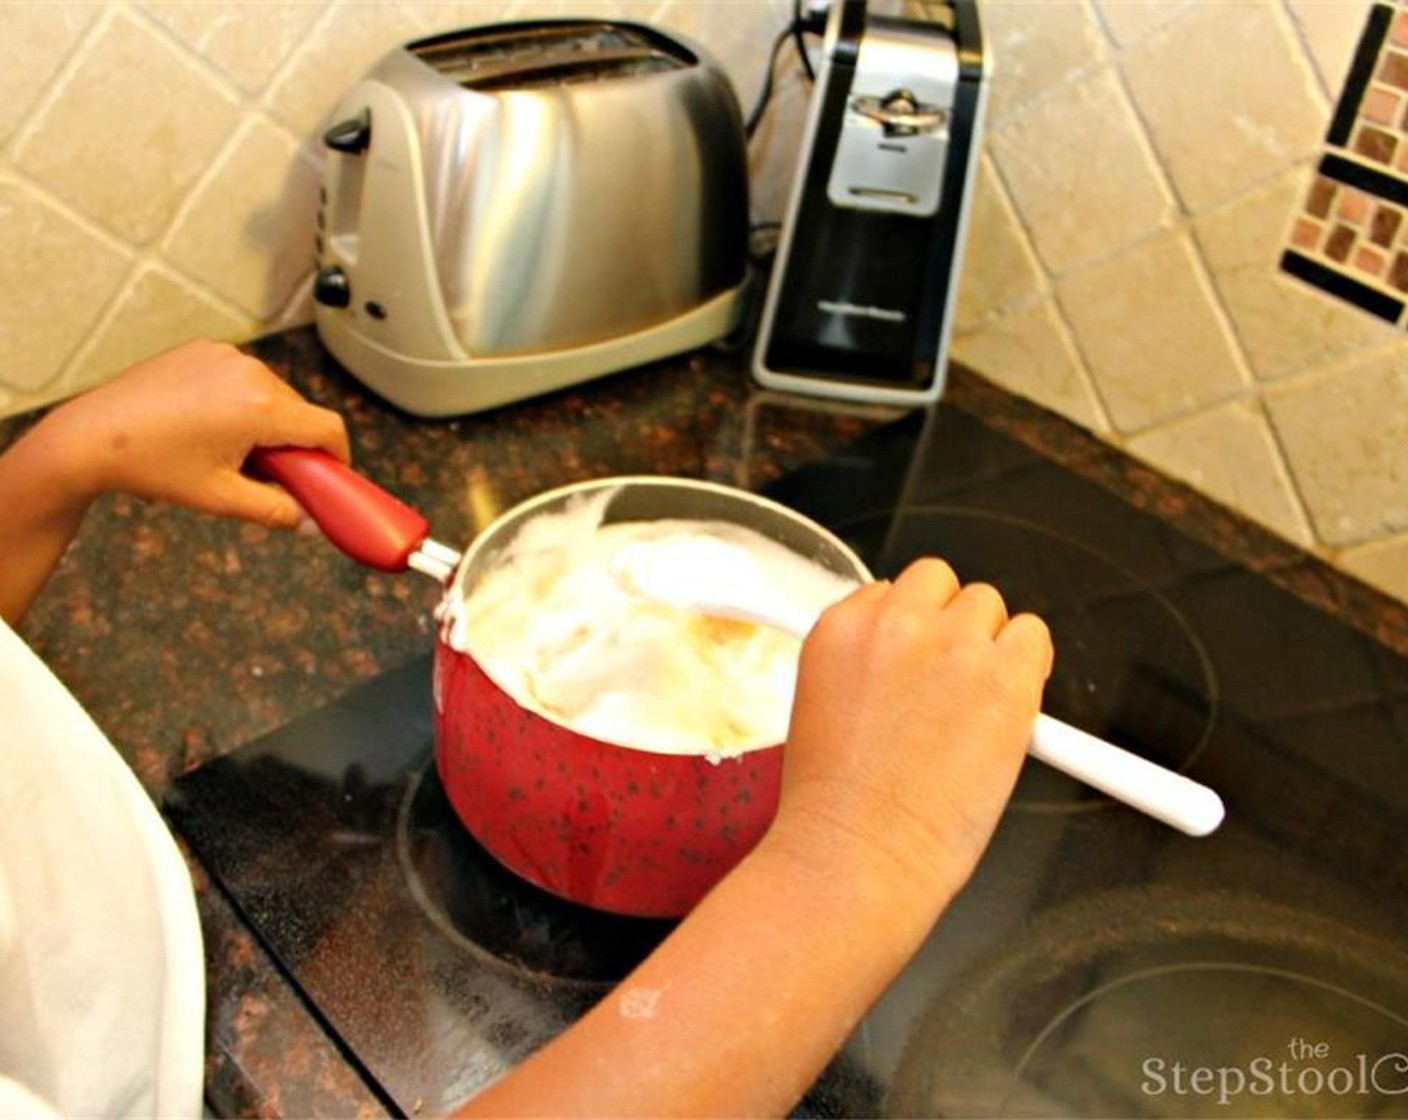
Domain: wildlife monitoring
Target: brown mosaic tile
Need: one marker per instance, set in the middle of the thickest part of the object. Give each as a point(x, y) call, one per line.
point(1339, 243)
point(1380, 105)
point(1398, 275)
point(1350, 238)
point(1375, 144)
point(1306, 234)
point(1322, 196)
point(1369, 260)
point(1394, 70)
point(1354, 206)
point(1387, 221)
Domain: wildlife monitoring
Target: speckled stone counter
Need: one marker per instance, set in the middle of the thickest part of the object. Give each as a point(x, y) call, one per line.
point(187, 636)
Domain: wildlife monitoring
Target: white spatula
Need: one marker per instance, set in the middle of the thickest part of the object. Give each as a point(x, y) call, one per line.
point(711, 576)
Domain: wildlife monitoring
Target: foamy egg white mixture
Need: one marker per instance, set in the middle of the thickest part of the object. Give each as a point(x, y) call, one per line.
point(552, 625)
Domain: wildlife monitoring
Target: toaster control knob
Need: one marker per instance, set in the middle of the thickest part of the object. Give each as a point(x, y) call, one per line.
point(352, 135)
point(330, 287)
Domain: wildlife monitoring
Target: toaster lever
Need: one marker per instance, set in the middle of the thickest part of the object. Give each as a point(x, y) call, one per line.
point(352, 135)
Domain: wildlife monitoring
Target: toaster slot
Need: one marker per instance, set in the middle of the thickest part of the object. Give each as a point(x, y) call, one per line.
point(537, 55)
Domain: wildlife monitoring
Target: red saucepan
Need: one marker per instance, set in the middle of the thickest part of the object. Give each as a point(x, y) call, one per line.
point(604, 824)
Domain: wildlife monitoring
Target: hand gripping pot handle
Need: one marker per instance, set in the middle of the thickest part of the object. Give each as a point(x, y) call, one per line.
point(364, 521)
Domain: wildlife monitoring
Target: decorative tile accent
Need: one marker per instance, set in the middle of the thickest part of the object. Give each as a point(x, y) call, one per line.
point(1285, 328)
point(1351, 238)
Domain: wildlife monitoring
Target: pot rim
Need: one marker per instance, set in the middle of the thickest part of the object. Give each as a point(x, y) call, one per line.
point(522, 511)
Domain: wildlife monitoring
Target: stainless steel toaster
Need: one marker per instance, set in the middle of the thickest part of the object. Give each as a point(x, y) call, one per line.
point(514, 208)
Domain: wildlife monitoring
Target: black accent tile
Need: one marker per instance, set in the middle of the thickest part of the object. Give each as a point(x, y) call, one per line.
point(1360, 73)
point(1342, 286)
point(1365, 178)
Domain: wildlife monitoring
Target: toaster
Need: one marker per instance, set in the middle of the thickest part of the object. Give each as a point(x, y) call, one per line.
point(510, 209)
point(864, 286)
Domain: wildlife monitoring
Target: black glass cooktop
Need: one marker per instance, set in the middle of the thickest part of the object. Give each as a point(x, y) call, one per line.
point(1099, 964)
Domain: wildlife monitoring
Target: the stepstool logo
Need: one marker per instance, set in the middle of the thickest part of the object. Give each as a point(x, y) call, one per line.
point(1309, 1068)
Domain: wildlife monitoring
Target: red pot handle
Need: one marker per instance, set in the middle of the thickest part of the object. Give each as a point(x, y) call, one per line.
point(373, 527)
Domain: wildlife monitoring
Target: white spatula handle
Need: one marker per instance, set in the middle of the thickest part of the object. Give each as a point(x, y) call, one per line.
point(1165, 795)
point(709, 586)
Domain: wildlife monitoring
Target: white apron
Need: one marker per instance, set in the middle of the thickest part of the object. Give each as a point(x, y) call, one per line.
point(102, 984)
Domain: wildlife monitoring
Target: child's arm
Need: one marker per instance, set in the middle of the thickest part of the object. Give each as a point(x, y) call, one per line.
point(176, 427)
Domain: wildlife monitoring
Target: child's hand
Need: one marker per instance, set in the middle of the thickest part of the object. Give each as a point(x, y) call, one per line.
point(913, 710)
point(915, 702)
point(178, 427)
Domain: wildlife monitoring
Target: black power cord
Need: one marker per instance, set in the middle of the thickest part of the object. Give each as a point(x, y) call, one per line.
point(798, 27)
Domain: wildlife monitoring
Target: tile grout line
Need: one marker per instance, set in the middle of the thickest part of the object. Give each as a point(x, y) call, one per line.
point(58, 81)
point(1310, 379)
point(308, 149)
point(137, 255)
point(1046, 292)
point(1174, 216)
point(1181, 223)
point(312, 36)
point(1298, 31)
point(1114, 49)
point(1046, 279)
point(220, 81)
point(1184, 226)
point(256, 108)
point(1253, 392)
point(154, 251)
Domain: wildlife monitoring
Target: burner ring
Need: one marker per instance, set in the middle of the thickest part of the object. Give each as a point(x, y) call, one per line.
point(1129, 667)
point(1065, 1019)
point(501, 919)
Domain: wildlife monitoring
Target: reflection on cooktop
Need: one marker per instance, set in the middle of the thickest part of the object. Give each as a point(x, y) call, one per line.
point(1110, 1007)
point(491, 912)
point(1129, 668)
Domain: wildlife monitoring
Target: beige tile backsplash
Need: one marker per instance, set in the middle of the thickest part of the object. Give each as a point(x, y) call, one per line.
point(1155, 342)
point(1080, 171)
point(159, 166)
point(1227, 96)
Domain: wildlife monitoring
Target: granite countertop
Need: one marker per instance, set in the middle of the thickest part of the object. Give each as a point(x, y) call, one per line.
point(187, 636)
